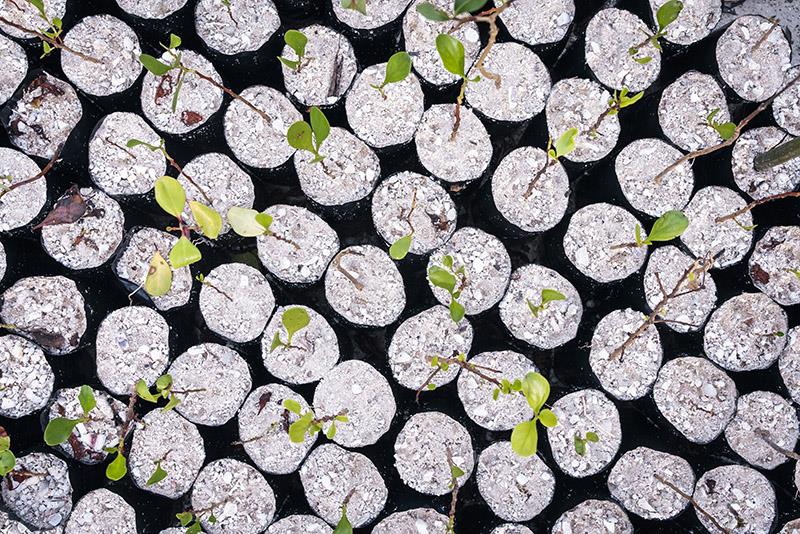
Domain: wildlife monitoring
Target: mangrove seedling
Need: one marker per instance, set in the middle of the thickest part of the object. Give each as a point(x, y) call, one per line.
point(452, 281)
point(665, 16)
point(309, 423)
point(356, 5)
point(297, 41)
point(59, 429)
point(248, 222)
point(548, 296)
point(451, 52)
point(205, 281)
point(7, 459)
point(293, 320)
point(455, 473)
point(666, 228)
point(158, 474)
point(343, 526)
point(536, 389)
point(400, 248)
point(778, 155)
point(191, 522)
point(309, 137)
point(397, 69)
point(564, 146)
point(724, 129)
point(158, 281)
point(164, 391)
point(618, 101)
point(581, 443)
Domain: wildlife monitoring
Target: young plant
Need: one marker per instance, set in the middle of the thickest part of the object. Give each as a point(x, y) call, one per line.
point(158, 474)
point(343, 526)
point(618, 101)
point(525, 436)
point(294, 320)
point(309, 423)
point(158, 68)
point(665, 16)
point(297, 41)
point(164, 391)
point(59, 429)
point(451, 52)
point(778, 155)
point(666, 228)
point(564, 146)
point(191, 522)
point(548, 296)
point(400, 248)
point(452, 281)
point(724, 129)
point(251, 223)
point(7, 459)
point(455, 473)
point(581, 443)
point(206, 282)
point(397, 69)
point(309, 137)
point(356, 5)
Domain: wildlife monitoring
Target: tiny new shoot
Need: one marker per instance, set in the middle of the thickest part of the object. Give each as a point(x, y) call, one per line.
point(7, 459)
point(294, 320)
point(356, 5)
point(452, 281)
point(397, 70)
point(309, 137)
point(582, 442)
point(344, 526)
point(159, 68)
point(451, 52)
point(164, 391)
point(297, 41)
point(53, 30)
point(724, 129)
point(548, 296)
point(665, 16)
point(309, 424)
point(191, 522)
point(525, 436)
point(400, 248)
point(666, 228)
point(59, 429)
point(158, 474)
point(563, 146)
point(618, 101)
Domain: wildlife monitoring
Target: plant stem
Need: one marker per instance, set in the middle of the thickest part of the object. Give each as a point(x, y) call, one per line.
point(478, 370)
point(38, 175)
point(755, 203)
point(777, 448)
point(777, 155)
point(175, 165)
point(57, 43)
point(694, 503)
point(775, 22)
point(454, 495)
point(337, 263)
point(529, 191)
point(614, 106)
point(218, 290)
point(232, 94)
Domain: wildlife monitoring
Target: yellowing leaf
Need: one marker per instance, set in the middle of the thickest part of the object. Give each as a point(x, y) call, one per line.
point(159, 276)
point(525, 438)
point(207, 218)
point(245, 222)
point(170, 195)
point(184, 253)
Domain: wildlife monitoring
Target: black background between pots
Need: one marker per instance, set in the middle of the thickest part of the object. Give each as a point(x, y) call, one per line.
point(567, 366)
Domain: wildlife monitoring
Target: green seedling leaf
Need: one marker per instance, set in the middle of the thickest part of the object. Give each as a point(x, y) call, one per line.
point(184, 253)
point(184, 518)
point(297, 41)
point(549, 295)
point(468, 6)
point(153, 65)
point(158, 475)
point(292, 405)
point(331, 431)
point(456, 471)
point(457, 311)
point(39, 5)
point(5, 440)
point(265, 220)
point(299, 136)
point(247, 222)
point(297, 430)
point(276, 342)
point(430, 12)
point(667, 13)
point(592, 436)
point(159, 276)
point(87, 400)
point(292, 65)
point(174, 41)
point(170, 195)
point(400, 248)
point(143, 392)
point(59, 429)
point(442, 278)
point(294, 320)
point(398, 68)
point(171, 403)
point(7, 462)
point(643, 60)
point(207, 218)
point(319, 125)
point(343, 526)
point(356, 5)
point(525, 438)
point(548, 418)
point(580, 445)
point(194, 528)
point(726, 130)
point(625, 100)
point(565, 144)
point(667, 227)
point(118, 467)
point(164, 382)
point(451, 51)
point(536, 389)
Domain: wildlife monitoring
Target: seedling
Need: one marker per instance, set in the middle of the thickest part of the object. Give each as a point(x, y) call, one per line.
point(397, 69)
point(203, 280)
point(356, 5)
point(7, 459)
point(159, 68)
point(164, 391)
point(158, 475)
point(448, 278)
point(618, 101)
point(581, 443)
point(564, 146)
point(297, 41)
point(310, 424)
point(294, 320)
point(309, 137)
point(525, 436)
point(400, 248)
point(548, 296)
point(455, 473)
point(59, 429)
point(451, 52)
point(343, 526)
point(665, 16)
point(778, 155)
point(191, 522)
point(666, 228)
point(250, 223)
point(724, 129)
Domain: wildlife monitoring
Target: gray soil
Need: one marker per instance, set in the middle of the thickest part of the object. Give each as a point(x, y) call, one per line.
point(101, 512)
point(789, 364)
point(153, 9)
point(512, 528)
point(696, 20)
point(13, 67)
point(735, 494)
point(416, 521)
point(20, 206)
point(44, 502)
point(26, 378)
point(786, 107)
point(298, 524)
point(773, 263)
point(237, 26)
point(379, 13)
point(9, 526)
point(538, 21)
point(764, 424)
point(592, 516)
point(778, 179)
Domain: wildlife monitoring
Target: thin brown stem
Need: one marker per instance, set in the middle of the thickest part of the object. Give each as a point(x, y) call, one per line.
point(38, 175)
point(57, 43)
point(112, 143)
point(215, 288)
point(175, 165)
point(539, 174)
point(692, 500)
point(478, 370)
point(775, 22)
point(764, 435)
point(337, 264)
point(454, 494)
point(755, 203)
point(284, 239)
point(232, 94)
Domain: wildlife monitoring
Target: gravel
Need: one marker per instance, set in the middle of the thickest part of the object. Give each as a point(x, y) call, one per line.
point(416, 521)
point(772, 264)
point(175, 443)
point(752, 56)
point(13, 67)
point(512, 528)
point(327, 70)
point(789, 364)
point(329, 475)
point(593, 516)
point(779, 179)
point(487, 269)
point(696, 397)
point(453, 159)
point(631, 375)
point(154, 9)
point(298, 524)
point(420, 452)
point(522, 87)
point(593, 253)
point(236, 494)
point(355, 389)
point(538, 21)
point(685, 106)
point(264, 430)
point(43, 117)
point(91, 240)
point(101, 512)
point(237, 26)
point(428, 333)
point(117, 169)
point(253, 140)
point(639, 163)
point(610, 37)
point(25, 14)
point(236, 301)
point(727, 241)
point(110, 41)
point(44, 502)
point(9, 526)
point(579, 103)
point(21, 205)
point(197, 101)
point(550, 327)
point(516, 488)
point(408, 203)
point(634, 482)
point(347, 174)
point(547, 202)
point(364, 286)
point(312, 355)
point(792, 527)
point(47, 309)
point(386, 119)
point(688, 311)
point(26, 379)
point(747, 332)
point(763, 419)
point(379, 13)
point(222, 376)
point(786, 106)
point(735, 494)
point(300, 245)
point(697, 19)
point(477, 393)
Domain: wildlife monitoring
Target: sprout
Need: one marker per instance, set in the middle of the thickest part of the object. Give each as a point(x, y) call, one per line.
point(164, 391)
point(666, 228)
point(665, 16)
point(158, 68)
point(356, 5)
point(451, 51)
point(191, 521)
point(397, 69)
point(59, 429)
point(303, 136)
point(619, 100)
point(53, 30)
point(297, 41)
point(294, 320)
point(548, 296)
point(581, 443)
point(724, 129)
point(343, 526)
point(309, 424)
point(460, 7)
point(564, 146)
point(525, 436)
point(400, 248)
point(158, 475)
point(446, 279)
point(7, 459)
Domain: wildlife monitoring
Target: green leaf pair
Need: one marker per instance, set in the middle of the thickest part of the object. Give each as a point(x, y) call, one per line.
point(525, 435)
point(445, 278)
point(59, 429)
point(303, 136)
point(666, 228)
point(581, 443)
point(248, 222)
point(548, 296)
point(294, 320)
point(460, 7)
point(564, 145)
point(297, 41)
point(164, 387)
point(397, 70)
